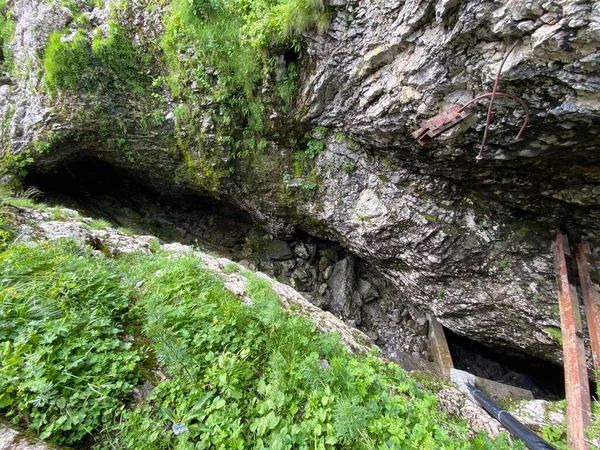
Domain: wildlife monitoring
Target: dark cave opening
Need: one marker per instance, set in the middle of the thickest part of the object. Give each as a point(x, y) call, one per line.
point(543, 378)
point(291, 56)
point(98, 189)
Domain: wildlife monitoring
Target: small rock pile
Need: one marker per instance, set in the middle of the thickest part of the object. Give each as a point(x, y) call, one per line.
point(340, 283)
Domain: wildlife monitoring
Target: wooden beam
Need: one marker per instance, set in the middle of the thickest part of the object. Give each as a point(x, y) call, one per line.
point(438, 347)
point(577, 388)
point(591, 299)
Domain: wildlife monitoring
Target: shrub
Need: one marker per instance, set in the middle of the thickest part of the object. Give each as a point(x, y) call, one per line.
point(66, 61)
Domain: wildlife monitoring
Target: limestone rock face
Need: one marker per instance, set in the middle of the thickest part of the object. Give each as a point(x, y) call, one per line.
point(467, 241)
point(11, 439)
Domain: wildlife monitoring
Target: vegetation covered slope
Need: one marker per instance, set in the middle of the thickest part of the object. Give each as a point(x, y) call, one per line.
point(79, 330)
point(218, 65)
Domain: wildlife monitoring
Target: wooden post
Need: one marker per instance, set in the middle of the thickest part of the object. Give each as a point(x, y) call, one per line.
point(591, 298)
point(438, 346)
point(577, 388)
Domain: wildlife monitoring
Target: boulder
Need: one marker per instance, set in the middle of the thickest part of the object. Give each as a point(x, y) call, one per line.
point(342, 285)
point(279, 250)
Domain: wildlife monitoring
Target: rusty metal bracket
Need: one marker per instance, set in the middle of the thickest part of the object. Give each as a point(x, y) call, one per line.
point(438, 124)
point(452, 116)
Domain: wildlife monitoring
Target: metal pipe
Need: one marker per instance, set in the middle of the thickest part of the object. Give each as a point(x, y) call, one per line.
point(529, 438)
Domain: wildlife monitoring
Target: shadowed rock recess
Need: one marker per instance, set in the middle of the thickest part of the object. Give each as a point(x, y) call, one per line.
point(467, 241)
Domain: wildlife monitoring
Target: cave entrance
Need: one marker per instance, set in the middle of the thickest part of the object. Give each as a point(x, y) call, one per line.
point(544, 379)
point(98, 189)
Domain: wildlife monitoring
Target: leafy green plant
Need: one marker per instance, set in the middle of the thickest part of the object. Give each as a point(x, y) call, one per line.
point(117, 55)
point(65, 61)
point(7, 233)
point(64, 369)
point(314, 147)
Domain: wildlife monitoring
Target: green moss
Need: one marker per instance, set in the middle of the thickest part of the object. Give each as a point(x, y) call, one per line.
point(432, 219)
point(206, 169)
point(349, 166)
point(362, 217)
point(65, 62)
point(428, 381)
point(554, 333)
point(256, 243)
point(389, 164)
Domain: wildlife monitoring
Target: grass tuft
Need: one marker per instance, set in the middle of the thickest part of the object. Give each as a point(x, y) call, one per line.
point(100, 224)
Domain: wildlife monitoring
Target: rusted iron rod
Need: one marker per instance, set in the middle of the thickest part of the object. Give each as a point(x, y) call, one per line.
point(492, 98)
point(451, 117)
point(503, 94)
point(576, 379)
point(591, 297)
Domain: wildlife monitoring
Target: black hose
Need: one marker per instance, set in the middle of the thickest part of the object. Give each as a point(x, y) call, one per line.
point(529, 438)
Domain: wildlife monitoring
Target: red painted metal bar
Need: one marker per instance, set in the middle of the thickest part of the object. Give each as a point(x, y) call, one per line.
point(591, 298)
point(576, 379)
